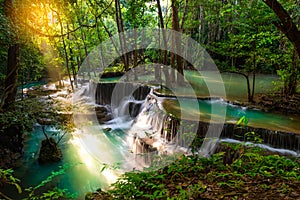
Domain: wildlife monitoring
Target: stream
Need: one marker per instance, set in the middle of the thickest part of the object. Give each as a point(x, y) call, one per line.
point(97, 154)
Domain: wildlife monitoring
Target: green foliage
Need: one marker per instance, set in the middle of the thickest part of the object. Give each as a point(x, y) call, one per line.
point(243, 121)
point(32, 193)
point(32, 65)
point(55, 193)
point(113, 166)
point(191, 177)
point(138, 14)
point(23, 116)
point(29, 110)
point(253, 137)
point(7, 178)
point(116, 68)
point(6, 33)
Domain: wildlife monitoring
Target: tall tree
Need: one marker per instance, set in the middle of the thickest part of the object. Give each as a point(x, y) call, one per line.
point(289, 28)
point(164, 38)
point(122, 36)
point(9, 94)
point(177, 42)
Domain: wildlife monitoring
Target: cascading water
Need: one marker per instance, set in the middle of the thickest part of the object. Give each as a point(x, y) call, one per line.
point(140, 124)
point(144, 137)
point(139, 133)
point(154, 133)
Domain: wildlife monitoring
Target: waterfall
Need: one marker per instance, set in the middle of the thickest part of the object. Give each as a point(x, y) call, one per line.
point(139, 119)
point(144, 128)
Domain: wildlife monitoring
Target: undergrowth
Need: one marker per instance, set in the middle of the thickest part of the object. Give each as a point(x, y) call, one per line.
point(254, 174)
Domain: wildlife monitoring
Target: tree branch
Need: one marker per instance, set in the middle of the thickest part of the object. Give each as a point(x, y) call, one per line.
point(40, 32)
point(286, 25)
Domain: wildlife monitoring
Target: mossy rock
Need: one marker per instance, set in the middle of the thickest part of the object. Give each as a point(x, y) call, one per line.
point(49, 152)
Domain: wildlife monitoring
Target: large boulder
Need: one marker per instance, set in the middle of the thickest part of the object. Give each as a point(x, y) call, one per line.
point(49, 152)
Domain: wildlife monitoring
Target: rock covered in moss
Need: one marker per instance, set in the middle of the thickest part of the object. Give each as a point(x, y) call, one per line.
point(49, 152)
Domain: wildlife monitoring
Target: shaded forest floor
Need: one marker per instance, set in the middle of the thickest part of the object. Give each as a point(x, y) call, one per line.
point(235, 172)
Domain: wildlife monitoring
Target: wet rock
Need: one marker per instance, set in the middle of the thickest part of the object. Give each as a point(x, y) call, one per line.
point(49, 152)
point(101, 109)
point(103, 114)
point(45, 121)
point(104, 92)
point(111, 74)
point(66, 116)
point(104, 119)
point(9, 159)
point(107, 129)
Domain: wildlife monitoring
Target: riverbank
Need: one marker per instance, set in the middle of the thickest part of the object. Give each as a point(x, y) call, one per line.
point(278, 103)
point(233, 172)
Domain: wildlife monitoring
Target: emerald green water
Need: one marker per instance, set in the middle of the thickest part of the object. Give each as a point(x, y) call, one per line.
point(84, 174)
point(256, 118)
point(235, 90)
point(235, 85)
point(33, 84)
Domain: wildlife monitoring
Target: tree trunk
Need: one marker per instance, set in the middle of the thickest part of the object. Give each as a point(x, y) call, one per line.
point(254, 70)
point(11, 79)
point(135, 55)
point(291, 82)
point(65, 52)
point(101, 47)
point(78, 58)
point(157, 69)
point(83, 36)
point(250, 99)
point(72, 62)
point(290, 30)
point(201, 25)
point(253, 80)
point(286, 25)
point(122, 38)
point(164, 52)
point(177, 43)
point(111, 39)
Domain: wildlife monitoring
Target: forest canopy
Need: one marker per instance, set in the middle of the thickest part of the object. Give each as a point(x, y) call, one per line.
point(50, 39)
